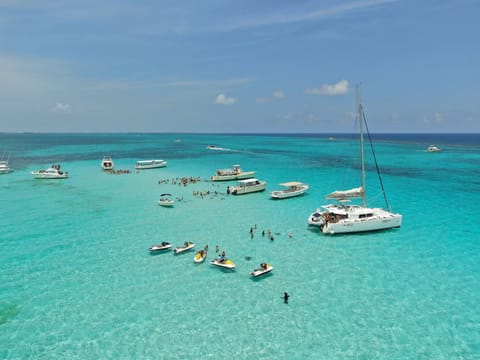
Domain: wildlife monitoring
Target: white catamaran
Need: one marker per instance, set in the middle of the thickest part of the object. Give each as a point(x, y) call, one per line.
point(347, 218)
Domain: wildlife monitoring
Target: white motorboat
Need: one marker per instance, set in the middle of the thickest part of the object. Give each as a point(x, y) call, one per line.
point(185, 247)
point(165, 200)
point(247, 186)
point(433, 148)
point(235, 173)
point(341, 218)
point(150, 164)
point(4, 167)
point(53, 172)
point(264, 268)
point(107, 163)
point(163, 246)
point(293, 188)
point(224, 263)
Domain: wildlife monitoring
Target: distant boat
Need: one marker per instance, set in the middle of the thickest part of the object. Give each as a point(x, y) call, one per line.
point(342, 218)
point(52, 172)
point(235, 173)
point(293, 188)
point(150, 164)
point(433, 148)
point(247, 186)
point(4, 166)
point(107, 163)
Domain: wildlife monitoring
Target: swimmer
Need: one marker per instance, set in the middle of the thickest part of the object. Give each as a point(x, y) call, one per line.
point(285, 297)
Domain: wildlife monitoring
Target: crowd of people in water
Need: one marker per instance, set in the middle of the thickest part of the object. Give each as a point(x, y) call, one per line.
point(117, 172)
point(181, 181)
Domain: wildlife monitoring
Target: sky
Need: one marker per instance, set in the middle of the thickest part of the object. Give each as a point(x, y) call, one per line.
point(239, 66)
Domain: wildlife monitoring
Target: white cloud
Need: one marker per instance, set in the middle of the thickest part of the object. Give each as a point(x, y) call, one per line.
point(277, 94)
point(223, 100)
point(291, 16)
point(62, 108)
point(340, 88)
point(435, 118)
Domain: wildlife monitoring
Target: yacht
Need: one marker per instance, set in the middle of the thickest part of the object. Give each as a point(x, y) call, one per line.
point(52, 172)
point(235, 173)
point(247, 186)
point(107, 163)
point(150, 164)
point(343, 217)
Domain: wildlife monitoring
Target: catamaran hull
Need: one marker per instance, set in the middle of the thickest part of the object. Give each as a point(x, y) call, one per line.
point(354, 226)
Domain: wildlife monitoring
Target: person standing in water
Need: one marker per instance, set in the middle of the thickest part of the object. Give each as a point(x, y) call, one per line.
point(285, 297)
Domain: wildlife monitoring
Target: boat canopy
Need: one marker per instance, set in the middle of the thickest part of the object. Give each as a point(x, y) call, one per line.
point(292, 183)
point(346, 194)
point(166, 195)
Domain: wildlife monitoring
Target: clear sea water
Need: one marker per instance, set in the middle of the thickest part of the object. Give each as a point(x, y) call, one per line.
point(77, 281)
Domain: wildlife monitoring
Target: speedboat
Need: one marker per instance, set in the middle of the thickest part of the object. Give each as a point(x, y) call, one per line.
point(200, 256)
point(247, 186)
point(226, 263)
point(185, 247)
point(52, 172)
point(235, 173)
point(293, 188)
point(107, 163)
point(165, 200)
point(150, 164)
point(262, 270)
point(433, 148)
point(163, 246)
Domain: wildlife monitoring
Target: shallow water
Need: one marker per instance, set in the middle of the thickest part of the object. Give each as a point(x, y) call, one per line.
point(78, 282)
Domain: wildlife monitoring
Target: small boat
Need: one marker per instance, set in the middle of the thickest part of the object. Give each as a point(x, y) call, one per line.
point(185, 247)
point(200, 256)
point(52, 172)
point(226, 263)
point(4, 167)
point(235, 173)
point(247, 186)
point(433, 148)
point(264, 268)
point(150, 164)
point(293, 188)
point(165, 200)
point(107, 163)
point(163, 246)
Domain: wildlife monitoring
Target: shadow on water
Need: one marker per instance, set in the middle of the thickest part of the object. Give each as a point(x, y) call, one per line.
point(8, 311)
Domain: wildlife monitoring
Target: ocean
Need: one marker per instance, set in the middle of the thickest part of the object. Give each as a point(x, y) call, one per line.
point(77, 280)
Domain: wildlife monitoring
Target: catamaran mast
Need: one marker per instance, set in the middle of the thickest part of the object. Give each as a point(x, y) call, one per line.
point(362, 151)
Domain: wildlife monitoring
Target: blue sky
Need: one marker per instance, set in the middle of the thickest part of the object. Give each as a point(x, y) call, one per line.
point(238, 65)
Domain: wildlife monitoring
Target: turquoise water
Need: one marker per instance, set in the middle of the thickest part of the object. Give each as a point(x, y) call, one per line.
point(77, 281)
